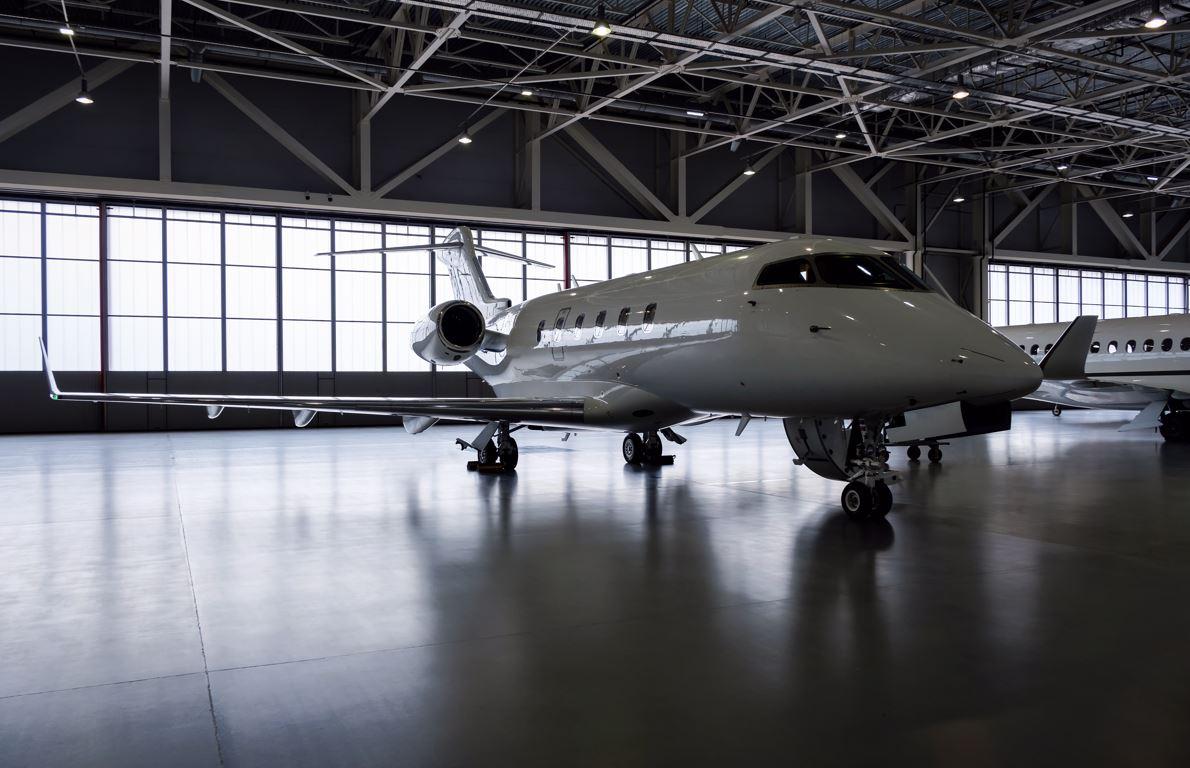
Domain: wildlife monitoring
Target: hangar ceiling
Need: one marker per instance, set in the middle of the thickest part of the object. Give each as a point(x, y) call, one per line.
point(1081, 95)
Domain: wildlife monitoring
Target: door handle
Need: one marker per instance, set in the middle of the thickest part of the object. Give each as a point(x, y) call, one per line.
point(817, 328)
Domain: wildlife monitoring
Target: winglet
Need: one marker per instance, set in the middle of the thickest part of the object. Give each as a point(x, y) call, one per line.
point(1067, 359)
point(49, 372)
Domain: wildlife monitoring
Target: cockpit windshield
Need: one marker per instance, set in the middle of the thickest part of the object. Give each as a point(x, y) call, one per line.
point(852, 270)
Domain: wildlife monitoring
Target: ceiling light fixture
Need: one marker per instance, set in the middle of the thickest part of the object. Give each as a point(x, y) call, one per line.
point(749, 171)
point(1128, 214)
point(960, 92)
point(1156, 20)
point(526, 92)
point(602, 28)
point(1151, 178)
point(959, 199)
point(841, 135)
point(465, 138)
point(66, 30)
point(84, 96)
point(1063, 167)
point(696, 113)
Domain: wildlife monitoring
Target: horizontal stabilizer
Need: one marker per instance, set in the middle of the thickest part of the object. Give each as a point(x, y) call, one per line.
point(1067, 359)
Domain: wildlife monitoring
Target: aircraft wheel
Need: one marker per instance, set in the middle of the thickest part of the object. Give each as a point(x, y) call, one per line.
point(1175, 426)
point(633, 448)
point(488, 454)
point(885, 455)
point(935, 455)
point(882, 499)
point(857, 501)
point(1056, 410)
point(509, 454)
point(652, 448)
point(914, 452)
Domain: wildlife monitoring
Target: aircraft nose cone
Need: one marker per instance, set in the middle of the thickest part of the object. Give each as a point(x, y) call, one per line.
point(1003, 374)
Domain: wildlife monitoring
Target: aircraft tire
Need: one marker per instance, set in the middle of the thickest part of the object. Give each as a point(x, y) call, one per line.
point(857, 501)
point(652, 448)
point(509, 454)
point(882, 500)
point(633, 448)
point(1056, 410)
point(488, 454)
point(914, 452)
point(935, 455)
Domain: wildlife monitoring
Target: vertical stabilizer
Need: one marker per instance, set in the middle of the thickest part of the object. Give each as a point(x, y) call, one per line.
point(466, 275)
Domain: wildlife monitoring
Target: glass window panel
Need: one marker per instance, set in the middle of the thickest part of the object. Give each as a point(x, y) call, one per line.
point(195, 345)
point(547, 249)
point(19, 206)
point(998, 312)
point(351, 240)
point(511, 288)
point(535, 288)
point(443, 289)
point(134, 288)
point(408, 297)
point(307, 345)
point(20, 285)
point(73, 343)
point(251, 292)
point(588, 261)
point(494, 266)
point(1067, 312)
point(1136, 291)
point(1020, 313)
point(135, 343)
point(134, 239)
point(18, 342)
point(1043, 285)
point(1043, 312)
point(72, 237)
point(400, 354)
point(1020, 284)
point(251, 246)
point(20, 234)
point(1157, 295)
point(194, 291)
point(357, 296)
point(72, 287)
point(358, 347)
point(998, 285)
point(306, 295)
point(300, 247)
point(1113, 290)
point(1111, 311)
point(1092, 288)
point(1177, 296)
point(665, 253)
point(251, 345)
point(628, 261)
point(193, 242)
point(1068, 286)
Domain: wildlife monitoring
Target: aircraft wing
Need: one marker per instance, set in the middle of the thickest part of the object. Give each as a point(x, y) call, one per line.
point(1067, 359)
point(565, 411)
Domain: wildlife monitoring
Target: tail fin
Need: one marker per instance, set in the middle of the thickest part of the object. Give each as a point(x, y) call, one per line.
point(466, 275)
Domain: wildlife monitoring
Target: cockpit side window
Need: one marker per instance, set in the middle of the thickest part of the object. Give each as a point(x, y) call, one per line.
point(786, 272)
point(905, 272)
point(855, 270)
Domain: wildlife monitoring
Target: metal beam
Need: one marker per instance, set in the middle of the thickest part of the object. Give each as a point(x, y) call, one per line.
point(282, 41)
point(58, 98)
point(426, 54)
point(1066, 259)
point(886, 218)
point(225, 195)
point(421, 164)
point(1116, 225)
point(730, 187)
point(1022, 214)
point(625, 179)
point(283, 137)
point(164, 125)
point(1173, 240)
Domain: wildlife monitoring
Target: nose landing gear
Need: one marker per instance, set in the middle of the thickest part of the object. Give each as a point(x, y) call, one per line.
point(648, 450)
point(867, 495)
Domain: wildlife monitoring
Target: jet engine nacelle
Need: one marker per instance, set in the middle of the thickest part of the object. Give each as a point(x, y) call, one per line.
point(451, 333)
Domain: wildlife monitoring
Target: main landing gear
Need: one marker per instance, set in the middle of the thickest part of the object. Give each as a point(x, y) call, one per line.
point(1175, 425)
point(934, 454)
point(499, 455)
point(1056, 410)
point(646, 450)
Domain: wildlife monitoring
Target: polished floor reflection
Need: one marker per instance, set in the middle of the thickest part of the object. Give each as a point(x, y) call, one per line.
point(355, 597)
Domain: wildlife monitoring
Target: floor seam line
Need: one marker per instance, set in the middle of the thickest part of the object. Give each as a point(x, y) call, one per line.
point(194, 599)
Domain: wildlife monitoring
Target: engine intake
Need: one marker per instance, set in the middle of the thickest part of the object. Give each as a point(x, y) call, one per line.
point(451, 333)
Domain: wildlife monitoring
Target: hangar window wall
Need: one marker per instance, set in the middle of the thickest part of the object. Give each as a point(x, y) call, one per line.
point(190, 290)
point(1020, 294)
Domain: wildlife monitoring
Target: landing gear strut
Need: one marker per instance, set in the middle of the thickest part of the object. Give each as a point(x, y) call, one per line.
point(867, 496)
point(646, 450)
point(499, 455)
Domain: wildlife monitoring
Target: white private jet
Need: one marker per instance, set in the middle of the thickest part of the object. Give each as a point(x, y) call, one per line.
point(1135, 363)
point(836, 339)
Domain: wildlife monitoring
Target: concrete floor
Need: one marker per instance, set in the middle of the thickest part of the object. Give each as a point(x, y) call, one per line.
point(355, 597)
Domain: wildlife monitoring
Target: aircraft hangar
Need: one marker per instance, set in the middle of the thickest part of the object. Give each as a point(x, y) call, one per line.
point(286, 286)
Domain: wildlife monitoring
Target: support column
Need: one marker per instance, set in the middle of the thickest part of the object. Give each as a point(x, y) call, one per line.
point(527, 169)
point(916, 216)
point(677, 173)
point(1068, 220)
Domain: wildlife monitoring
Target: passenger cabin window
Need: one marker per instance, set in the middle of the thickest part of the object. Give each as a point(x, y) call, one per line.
point(1033, 349)
point(1112, 346)
point(1130, 346)
point(578, 326)
point(1094, 347)
point(599, 322)
point(559, 323)
point(786, 272)
point(1166, 344)
point(1048, 347)
point(1148, 345)
point(863, 271)
point(540, 331)
point(650, 313)
point(1185, 346)
point(622, 322)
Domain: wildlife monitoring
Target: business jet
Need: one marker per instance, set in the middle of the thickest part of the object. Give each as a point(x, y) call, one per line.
point(1135, 363)
point(836, 339)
